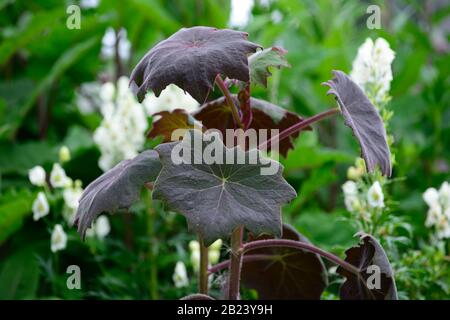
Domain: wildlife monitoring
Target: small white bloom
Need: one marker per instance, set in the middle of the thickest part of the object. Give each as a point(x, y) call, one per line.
point(89, 4)
point(352, 203)
point(444, 194)
point(102, 227)
point(431, 197)
point(58, 177)
point(58, 239)
point(214, 251)
point(64, 154)
point(443, 227)
point(37, 176)
point(433, 216)
point(180, 275)
point(40, 206)
point(171, 98)
point(375, 196)
point(350, 188)
point(109, 42)
point(71, 196)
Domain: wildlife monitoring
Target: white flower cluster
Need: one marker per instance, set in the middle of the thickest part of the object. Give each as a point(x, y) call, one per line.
point(71, 192)
point(109, 44)
point(171, 98)
point(372, 69)
point(359, 202)
point(439, 209)
point(121, 133)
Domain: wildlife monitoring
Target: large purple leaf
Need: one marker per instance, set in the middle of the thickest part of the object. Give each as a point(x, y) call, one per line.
point(369, 257)
point(363, 118)
point(216, 198)
point(117, 188)
point(285, 273)
point(192, 58)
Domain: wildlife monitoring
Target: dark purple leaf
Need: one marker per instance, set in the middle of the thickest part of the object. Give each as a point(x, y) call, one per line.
point(117, 188)
point(170, 121)
point(217, 198)
point(285, 273)
point(265, 115)
point(369, 257)
point(363, 118)
point(192, 58)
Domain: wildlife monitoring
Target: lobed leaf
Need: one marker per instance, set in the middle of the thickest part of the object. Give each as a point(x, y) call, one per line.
point(192, 58)
point(368, 253)
point(260, 62)
point(216, 198)
point(117, 188)
point(265, 115)
point(169, 122)
point(363, 118)
point(285, 273)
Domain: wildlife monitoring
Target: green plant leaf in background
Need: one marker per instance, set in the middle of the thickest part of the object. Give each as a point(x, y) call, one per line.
point(260, 62)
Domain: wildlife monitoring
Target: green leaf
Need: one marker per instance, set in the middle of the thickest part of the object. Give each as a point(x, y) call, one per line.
point(285, 273)
point(19, 276)
point(117, 188)
point(367, 255)
point(64, 62)
point(363, 118)
point(14, 207)
point(218, 197)
point(260, 62)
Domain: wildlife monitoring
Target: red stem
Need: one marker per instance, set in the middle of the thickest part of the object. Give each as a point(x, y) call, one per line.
point(234, 279)
point(234, 110)
point(297, 127)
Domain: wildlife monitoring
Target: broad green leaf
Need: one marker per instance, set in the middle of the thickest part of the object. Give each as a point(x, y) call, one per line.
point(375, 269)
point(216, 198)
point(117, 188)
point(285, 273)
point(14, 207)
point(260, 62)
point(192, 58)
point(19, 276)
point(363, 118)
point(157, 14)
point(66, 60)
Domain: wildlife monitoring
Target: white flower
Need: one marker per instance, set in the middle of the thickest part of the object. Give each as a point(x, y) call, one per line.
point(171, 98)
point(433, 216)
point(352, 203)
point(87, 97)
point(180, 275)
point(350, 188)
point(241, 11)
point(443, 227)
point(89, 4)
point(444, 194)
point(431, 197)
point(59, 239)
point(214, 251)
point(375, 196)
point(58, 177)
point(72, 195)
point(109, 42)
point(37, 176)
point(102, 227)
point(372, 67)
point(40, 206)
point(64, 154)
point(122, 132)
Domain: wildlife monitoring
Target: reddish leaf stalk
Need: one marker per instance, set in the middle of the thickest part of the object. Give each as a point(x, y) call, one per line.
point(230, 102)
point(302, 246)
point(235, 264)
point(297, 127)
point(249, 258)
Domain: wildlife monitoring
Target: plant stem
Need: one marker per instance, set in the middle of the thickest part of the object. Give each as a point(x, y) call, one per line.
point(203, 273)
point(152, 254)
point(235, 264)
point(297, 127)
point(230, 102)
point(303, 246)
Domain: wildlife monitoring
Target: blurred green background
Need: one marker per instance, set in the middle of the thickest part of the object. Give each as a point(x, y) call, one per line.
point(43, 65)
